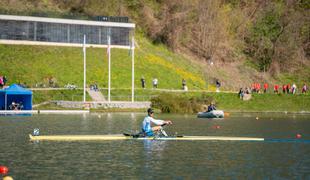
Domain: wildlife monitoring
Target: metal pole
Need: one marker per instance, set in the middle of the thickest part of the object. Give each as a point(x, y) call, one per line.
point(35, 31)
point(5, 102)
point(133, 70)
point(84, 85)
point(109, 64)
point(68, 33)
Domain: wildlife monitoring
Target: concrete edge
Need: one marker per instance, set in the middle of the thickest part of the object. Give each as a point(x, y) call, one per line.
point(46, 112)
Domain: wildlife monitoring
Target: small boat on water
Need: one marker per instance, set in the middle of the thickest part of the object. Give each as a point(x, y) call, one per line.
point(211, 114)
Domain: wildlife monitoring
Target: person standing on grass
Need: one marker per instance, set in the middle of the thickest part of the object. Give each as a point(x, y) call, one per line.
point(258, 87)
point(218, 85)
point(4, 80)
point(284, 88)
point(183, 84)
point(276, 89)
point(265, 87)
point(294, 89)
point(1, 82)
point(288, 87)
point(143, 82)
point(304, 89)
point(241, 93)
point(155, 83)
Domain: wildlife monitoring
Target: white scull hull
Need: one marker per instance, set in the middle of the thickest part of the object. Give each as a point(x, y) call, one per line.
point(122, 137)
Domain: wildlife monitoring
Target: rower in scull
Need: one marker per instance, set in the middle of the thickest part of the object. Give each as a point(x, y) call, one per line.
point(146, 124)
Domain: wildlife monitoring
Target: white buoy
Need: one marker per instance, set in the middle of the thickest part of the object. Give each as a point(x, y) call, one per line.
point(7, 178)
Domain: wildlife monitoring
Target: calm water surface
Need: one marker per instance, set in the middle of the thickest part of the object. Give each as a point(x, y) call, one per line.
point(152, 159)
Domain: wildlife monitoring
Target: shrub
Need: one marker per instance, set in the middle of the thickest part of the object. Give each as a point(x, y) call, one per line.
point(180, 103)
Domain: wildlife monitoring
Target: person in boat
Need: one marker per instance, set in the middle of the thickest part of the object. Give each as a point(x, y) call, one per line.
point(211, 107)
point(146, 124)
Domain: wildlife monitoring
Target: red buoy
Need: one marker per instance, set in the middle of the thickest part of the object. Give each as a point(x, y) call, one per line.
point(298, 136)
point(4, 170)
point(216, 127)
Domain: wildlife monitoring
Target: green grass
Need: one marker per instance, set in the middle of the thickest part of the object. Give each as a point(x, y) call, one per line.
point(259, 102)
point(263, 102)
point(67, 95)
point(226, 101)
point(33, 65)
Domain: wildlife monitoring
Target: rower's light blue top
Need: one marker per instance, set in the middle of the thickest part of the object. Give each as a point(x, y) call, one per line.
point(146, 124)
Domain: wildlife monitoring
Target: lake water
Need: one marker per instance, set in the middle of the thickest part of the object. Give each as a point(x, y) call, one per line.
point(279, 158)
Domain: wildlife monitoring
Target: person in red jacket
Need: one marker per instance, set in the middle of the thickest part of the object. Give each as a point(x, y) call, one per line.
point(265, 87)
point(284, 88)
point(276, 88)
point(253, 87)
point(258, 87)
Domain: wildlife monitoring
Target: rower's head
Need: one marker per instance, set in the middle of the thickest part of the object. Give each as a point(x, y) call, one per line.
point(150, 112)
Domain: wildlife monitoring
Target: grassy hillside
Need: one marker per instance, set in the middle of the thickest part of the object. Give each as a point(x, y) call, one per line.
point(33, 65)
point(248, 41)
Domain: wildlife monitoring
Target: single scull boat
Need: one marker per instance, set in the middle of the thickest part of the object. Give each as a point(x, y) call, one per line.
point(126, 137)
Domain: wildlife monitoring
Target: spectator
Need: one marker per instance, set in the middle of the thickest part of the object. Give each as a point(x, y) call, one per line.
point(13, 106)
point(93, 87)
point(284, 88)
point(183, 83)
point(265, 87)
point(304, 89)
point(247, 91)
point(143, 82)
point(276, 88)
point(294, 89)
point(21, 106)
point(241, 93)
point(253, 87)
point(1, 82)
point(96, 87)
point(288, 87)
point(155, 83)
point(4, 80)
point(218, 85)
point(258, 88)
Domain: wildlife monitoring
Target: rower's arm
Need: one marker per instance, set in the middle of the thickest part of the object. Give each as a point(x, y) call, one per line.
point(157, 121)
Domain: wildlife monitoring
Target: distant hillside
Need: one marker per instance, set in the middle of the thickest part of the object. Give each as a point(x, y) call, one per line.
point(235, 41)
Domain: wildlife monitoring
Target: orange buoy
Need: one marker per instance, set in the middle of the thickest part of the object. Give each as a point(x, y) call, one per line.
point(4, 170)
point(298, 136)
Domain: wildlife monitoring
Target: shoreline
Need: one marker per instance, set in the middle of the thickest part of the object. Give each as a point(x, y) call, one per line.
point(80, 111)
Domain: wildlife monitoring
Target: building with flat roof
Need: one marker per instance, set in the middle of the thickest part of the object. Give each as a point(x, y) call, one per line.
point(64, 32)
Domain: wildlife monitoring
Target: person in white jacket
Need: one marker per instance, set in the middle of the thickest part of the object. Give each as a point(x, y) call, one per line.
point(147, 129)
point(294, 88)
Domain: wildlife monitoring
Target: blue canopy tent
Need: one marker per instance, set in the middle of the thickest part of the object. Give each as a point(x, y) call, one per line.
point(17, 94)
